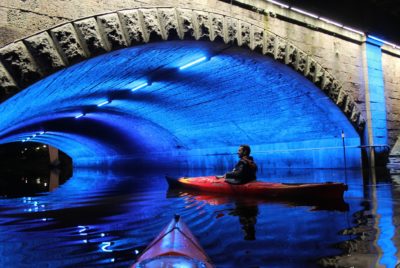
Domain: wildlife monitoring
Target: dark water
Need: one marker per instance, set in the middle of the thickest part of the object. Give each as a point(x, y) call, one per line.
point(104, 219)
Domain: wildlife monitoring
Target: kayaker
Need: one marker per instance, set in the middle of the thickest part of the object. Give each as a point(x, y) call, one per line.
point(245, 170)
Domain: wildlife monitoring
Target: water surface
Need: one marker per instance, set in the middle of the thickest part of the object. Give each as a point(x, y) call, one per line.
point(105, 219)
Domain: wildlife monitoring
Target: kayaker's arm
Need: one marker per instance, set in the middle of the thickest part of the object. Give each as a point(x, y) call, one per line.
point(237, 172)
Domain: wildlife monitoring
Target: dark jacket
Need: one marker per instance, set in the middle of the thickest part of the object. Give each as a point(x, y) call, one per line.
point(244, 171)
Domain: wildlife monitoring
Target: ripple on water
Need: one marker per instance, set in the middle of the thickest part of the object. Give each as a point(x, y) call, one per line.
point(106, 220)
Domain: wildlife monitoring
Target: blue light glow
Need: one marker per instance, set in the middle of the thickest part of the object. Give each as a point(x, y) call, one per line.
point(103, 103)
point(382, 41)
point(387, 229)
point(78, 147)
point(30, 137)
point(105, 247)
point(192, 119)
point(192, 63)
point(82, 230)
point(140, 86)
point(377, 100)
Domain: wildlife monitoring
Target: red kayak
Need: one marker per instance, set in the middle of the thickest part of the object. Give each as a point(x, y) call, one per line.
point(175, 246)
point(214, 184)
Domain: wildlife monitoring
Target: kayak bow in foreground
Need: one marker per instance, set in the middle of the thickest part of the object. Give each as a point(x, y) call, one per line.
point(214, 184)
point(175, 246)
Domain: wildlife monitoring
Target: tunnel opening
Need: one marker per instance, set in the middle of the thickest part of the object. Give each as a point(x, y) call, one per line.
point(138, 107)
point(31, 168)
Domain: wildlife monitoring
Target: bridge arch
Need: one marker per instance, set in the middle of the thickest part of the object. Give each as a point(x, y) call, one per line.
point(28, 60)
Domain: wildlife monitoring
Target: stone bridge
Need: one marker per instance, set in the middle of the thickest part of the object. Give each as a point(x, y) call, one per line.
point(304, 81)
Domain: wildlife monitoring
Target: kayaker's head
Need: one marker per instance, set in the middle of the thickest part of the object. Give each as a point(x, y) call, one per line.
point(244, 150)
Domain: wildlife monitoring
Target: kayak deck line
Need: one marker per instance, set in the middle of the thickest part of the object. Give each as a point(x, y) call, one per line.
point(175, 245)
point(177, 218)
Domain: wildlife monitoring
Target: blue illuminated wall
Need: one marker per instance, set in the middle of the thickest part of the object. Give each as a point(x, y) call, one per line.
point(376, 92)
point(195, 117)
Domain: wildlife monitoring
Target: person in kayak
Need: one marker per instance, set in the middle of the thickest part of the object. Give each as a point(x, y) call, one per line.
point(245, 170)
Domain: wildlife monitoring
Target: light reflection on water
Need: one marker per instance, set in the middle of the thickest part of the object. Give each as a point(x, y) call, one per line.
point(385, 224)
point(102, 219)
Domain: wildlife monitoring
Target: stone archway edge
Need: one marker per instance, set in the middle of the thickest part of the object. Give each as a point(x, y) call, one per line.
point(30, 59)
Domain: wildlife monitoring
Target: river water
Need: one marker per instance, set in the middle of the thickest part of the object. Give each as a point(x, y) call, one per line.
point(100, 218)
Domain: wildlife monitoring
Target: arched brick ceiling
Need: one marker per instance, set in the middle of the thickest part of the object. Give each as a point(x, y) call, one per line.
point(236, 96)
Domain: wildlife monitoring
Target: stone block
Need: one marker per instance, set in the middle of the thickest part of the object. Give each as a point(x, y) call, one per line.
point(280, 49)
point(231, 33)
point(310, 70)
point(269, 44)
point(341, 99)
point(290, 55)
point(244, 34)
point(111, 29)
point(355, 117)
point(169, 23)
point(348, 106)
point(217, 27)
point(257, 40)
point(20, 64)
point(131, 21)
point(301, 61)
point(185, 22)
point(68, 43)
point(151, 25)
point(319, 74)
point(202, 23)
point(45, 53)
point(89, 33)
point(332, 87)
point(8, 87)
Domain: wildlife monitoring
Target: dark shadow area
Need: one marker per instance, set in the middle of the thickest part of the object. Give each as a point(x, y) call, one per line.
point(26, 169)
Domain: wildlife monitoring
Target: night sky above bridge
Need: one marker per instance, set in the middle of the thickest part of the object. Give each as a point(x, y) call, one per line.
point(379, 18)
